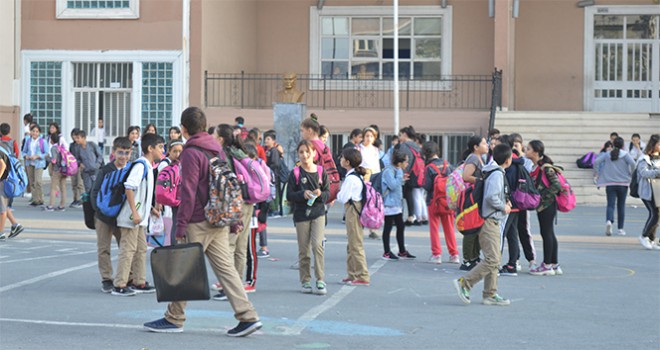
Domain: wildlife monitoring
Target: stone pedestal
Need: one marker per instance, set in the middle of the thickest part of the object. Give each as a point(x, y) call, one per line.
point(287, 118)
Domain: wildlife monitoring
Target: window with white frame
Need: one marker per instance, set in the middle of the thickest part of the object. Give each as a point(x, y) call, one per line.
point(91, 9)
point(358, 42)
point(46, 92)
point(157, 95)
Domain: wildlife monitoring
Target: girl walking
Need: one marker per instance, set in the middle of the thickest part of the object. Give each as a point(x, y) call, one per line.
point(393, 180)
point(474, 155)
point(648, 175)
point(370, 160)
point(615, 170)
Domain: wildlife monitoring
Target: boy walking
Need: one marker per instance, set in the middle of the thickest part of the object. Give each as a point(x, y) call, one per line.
point(134, 217)
point(495, 209)
point(89, 158)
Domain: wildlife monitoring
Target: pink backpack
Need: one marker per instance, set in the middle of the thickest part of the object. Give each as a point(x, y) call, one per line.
point(68, 163)
point(566, 197)
point(455, 186)
point(255, 181)
point(167, 185)
point(372, 215)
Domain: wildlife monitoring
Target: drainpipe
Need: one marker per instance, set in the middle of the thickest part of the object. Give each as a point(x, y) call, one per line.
point(443, 4)
point(491, 8)
point(185, 46)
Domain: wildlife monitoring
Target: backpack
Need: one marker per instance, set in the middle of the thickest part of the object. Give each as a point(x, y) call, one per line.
point(328, 164)
point(438, 204)
point(586, 161)
point(372, 214)
point(455, 187)
point(8, 145)
point(68, 163)
point(376, 181)
point(16, 181)
point(296, 174)
point(634, 185)
point(566, 197)
point(417, 170)
point(225, 205)
point(112, 194)
point(255, 182)
point(272, 186)
point(525, 196)
point(167, 185)
point(468, 219)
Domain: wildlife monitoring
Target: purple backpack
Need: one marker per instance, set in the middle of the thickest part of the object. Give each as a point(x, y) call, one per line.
point(586, 161)
point(255, 181)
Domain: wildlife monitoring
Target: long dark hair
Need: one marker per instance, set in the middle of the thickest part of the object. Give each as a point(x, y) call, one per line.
point(606, 145)
point(538, 147)
point(409, 131)
point(472, 142)
point(618, 145)
point(354, 158)
point(650, 146)
point(226, 131)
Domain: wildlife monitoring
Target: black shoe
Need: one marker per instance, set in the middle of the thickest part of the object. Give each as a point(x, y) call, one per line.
point(143, 289)
point(417, 223)
point(16, 230)
point(36, 204)
point(389, 256)
point(123, 292)
point(508, 270)
point(409, 223)
point(220, 296)
point(244, 329)
point(424, 222)
point(406, 255)
point(106, 286)
point(467, 265)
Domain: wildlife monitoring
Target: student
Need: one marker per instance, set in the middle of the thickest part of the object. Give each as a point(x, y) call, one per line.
point(419, 195)
point(150, 129)
point(370, 160)
point(615, 172)
point(27, 121)
point(274, 160)
point(388, 155)
point(89, 158)
point(57, 180)
point(355, 139)
point(133, 219)
point(4, 171)
point(524, 227)
point(434, 163)
point(175, 147)
point(133, 134)
point(254, 135)
point(106, 227)
point(193, 227)
point(240, 126)
point(308, 194)
point(76, 181)
point(393, 181)
point(407, 136)
point(351, 195)
point(35, 151)
point(11, 146)
point(54, 129)
point(648, 173)
point(98, 133)
point(174, 133)
point(636, 147)
point(613, 136)
point(474, 162)
point(495, 209)
point(324, 135)
point(547, 209)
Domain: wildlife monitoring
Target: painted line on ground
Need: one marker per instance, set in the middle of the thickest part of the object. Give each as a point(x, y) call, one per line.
point(46, 276)
point(46, 257)
point(303, 321)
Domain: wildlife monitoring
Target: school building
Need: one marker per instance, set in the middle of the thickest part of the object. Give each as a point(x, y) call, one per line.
point(143, 61)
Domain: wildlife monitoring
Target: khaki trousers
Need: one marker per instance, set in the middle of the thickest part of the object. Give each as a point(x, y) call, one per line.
point(238, 242)
point(57, 184)
point(311, 236)
point(77, 185)
point(215, 242)
point(356, 261)
point(489, 239)
point(132, 255)
point(34, 179)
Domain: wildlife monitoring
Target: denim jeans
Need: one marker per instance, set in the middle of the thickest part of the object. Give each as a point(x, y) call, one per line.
point(616, 194)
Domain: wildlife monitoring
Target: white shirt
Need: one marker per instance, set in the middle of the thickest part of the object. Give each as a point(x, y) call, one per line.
point(144, 192)
point(351, 188)
point(99, 134)
point(370, 158)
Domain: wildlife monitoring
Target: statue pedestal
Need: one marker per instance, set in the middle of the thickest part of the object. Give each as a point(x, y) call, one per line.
point(287, 118)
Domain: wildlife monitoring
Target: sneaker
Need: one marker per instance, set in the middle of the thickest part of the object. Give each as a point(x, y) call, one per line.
point(424, 222)
point(463, 293)
point(454, 259)
point(417, 223)
point(358, 283)
point(216, 286)
point(306, 288)
point(406, 255)
point(508, 270)
point(374, 235)
point(468, 265)
point(250, 288)
point(646, 242)
point(543, 270)
point(320, 288)
point(532, 266)
point(244, 329)
point(495, 299)
point(73, 204)
point(3, 236)
point(435, 259)
point(621, 232)
point(557, 269)
point(655, 245)
point(518, 266)
point(220, 296)
point(389, 256)
point(608, 228)
point(144, 288)
point(60, 209)
point(123, 292)
point(162, 326)
point(262, 253)
point(295, 266)
point(49, 208)
point(16, 230)
point(346, 281)
point(106, 286)
point(35, 204)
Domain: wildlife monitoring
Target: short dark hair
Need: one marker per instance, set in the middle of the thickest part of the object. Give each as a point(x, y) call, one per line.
point(28, 118)
point(614, 134)
point(55, 138)
point(355, 132)
point(239, 120)
point(636, 135)
point(398, 157)
point(35, 126)
point(194, 120)
point(409, 131)
point(150, 140)
point(493, 132)
point(74, 130)
point(501, 153)
point(271, 133)
point(80, 133)
point(121, 142)
point(211, 130)
point(5, 129)
point(430, 149)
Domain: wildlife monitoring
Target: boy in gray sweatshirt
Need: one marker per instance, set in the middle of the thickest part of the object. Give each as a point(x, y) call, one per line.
point(495, 207)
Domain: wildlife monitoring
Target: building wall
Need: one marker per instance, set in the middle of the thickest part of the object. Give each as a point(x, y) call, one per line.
point(9, 110)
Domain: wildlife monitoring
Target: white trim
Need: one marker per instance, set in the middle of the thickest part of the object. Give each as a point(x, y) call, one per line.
point(185, 87)
point(132, 12)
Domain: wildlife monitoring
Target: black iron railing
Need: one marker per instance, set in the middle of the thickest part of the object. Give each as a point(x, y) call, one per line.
point(257, 91)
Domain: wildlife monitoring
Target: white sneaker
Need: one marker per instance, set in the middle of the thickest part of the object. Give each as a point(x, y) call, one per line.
point(621, 232)
point(646, 242)
point(454, 259)
point(655, 245)
point(608, 228)
point(518, 266)
point(435, 259)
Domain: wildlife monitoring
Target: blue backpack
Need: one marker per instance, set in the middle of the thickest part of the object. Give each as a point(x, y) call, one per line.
point(17, 179)
point(112, 193)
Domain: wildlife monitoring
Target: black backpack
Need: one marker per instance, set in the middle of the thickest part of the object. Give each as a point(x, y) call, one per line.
point(634, 185)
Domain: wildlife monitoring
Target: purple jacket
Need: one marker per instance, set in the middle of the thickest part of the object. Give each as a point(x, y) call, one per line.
point(194, 190)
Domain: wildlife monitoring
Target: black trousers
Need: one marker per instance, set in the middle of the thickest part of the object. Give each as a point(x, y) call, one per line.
point(391, 220)
point(547, 225)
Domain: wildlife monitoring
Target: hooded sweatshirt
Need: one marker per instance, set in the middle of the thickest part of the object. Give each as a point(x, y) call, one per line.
point(194, 190)
point(614, 172)
point(405, 148)
point(494, 202)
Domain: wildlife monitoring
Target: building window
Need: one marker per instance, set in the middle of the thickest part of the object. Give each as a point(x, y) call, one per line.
point(46, 92)
point(157, 95)
point(358, 42)
point(97, 9)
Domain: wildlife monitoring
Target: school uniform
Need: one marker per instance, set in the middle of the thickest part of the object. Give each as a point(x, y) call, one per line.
point(351, 195)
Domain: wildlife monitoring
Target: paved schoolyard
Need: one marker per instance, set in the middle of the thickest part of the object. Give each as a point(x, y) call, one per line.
point(608, 298)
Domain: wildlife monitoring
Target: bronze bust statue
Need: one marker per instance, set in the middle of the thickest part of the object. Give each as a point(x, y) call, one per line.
point(289, 94)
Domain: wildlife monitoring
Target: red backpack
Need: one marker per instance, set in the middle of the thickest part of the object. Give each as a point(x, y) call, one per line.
point(417, 169)
point(438, 204)
point(325, 160)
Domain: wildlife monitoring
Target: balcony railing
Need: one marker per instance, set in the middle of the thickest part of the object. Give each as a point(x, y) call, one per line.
point(258, 91)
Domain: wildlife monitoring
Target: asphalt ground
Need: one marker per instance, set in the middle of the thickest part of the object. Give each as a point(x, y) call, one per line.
point(608, 297)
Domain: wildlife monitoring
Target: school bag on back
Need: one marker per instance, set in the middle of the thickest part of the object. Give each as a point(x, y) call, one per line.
point(417, 170)
point(16, 181)
point(68, 163)
point(468, 219)
point(634, 185)
point(566, 197)
point(372, 214)
point(438, 204)
point(256, 182)
point(167, 185)
point(525, 196)
point(328, 164)
point(455, 186)
point(112, 193)
point(225, 204)
point(376, 181)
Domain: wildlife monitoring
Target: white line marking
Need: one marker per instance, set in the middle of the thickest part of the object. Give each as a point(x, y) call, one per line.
point(303, 321)
point(66, 249)
point(37, 247)
point(47, 257)
point(59, 323)
point(46, 276)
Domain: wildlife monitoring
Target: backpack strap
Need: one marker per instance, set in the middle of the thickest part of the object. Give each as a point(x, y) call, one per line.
point(364, 193)
point(319, 170)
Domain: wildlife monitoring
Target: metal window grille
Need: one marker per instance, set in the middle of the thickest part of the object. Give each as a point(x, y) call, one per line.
point(46, 92)
point(98, 4)
point(157, 95)
point(456, 144)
